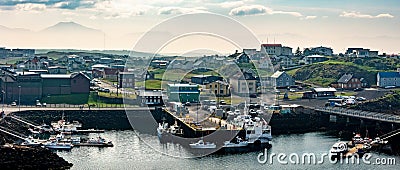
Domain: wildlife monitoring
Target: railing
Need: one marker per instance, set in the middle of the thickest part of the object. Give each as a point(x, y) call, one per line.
point(83, 106)
point(361, 114)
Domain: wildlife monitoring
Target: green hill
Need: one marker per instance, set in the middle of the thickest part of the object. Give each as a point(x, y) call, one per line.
point(329, 72)
point(386, 104)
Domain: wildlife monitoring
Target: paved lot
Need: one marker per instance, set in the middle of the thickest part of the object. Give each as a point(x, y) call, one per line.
point(369, 94)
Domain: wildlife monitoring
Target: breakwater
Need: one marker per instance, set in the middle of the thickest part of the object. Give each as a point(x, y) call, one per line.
point(301, 121)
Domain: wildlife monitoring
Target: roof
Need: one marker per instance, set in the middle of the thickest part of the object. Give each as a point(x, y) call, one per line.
point(271, 45)
point(329, 89)
point(220, 82)
point(56, 76)
point(99, 66)
point(345, 78)
point(150, 93)
point(277, 74)
point(183, 85)
point(389, 74)
point(316, 56)
point(202, 76)
point(80, 73)
point(127, 73)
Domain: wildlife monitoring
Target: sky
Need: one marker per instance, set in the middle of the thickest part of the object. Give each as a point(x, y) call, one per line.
point(338, 24)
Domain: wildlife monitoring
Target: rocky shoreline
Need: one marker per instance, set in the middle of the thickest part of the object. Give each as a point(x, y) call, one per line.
point(19, 157)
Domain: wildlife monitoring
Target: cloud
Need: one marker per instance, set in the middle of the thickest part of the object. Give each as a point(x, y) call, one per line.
point(296, 14)
point(30, 7)
point(179, 10)
point(250, 10)
point(354, 14)
point(310, 17)
point(232, 4)
point(259, 10)
point(62, 4)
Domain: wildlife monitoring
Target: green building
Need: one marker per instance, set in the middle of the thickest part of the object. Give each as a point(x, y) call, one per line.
point(183, 93)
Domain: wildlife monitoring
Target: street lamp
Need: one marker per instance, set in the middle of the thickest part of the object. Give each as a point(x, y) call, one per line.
point(19, 98)
point(4, 93)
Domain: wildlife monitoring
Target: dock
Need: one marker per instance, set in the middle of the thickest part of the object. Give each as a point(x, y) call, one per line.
point(94, 144)
point(90, 131)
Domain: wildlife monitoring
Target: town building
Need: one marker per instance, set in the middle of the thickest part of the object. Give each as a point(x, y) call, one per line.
point(243, 83)
point(319, 93)
point(57, 70)
point(219, 88)
point(4, 52)
point(385, 79)
point(276, 49)
point(112, 73)
point(151, 97)
point(325, 51)
point(361, 52)
point(205, 79)
point(29, 86)
point(159, 63)
point(314, 59)
point(348, 81)
point(126, 80)
point(183, 93)
point(281, 79)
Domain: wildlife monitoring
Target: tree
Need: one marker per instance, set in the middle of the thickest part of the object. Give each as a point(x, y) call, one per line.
point(298, 52)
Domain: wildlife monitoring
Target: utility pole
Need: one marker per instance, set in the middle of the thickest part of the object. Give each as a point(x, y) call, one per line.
point(19, 98)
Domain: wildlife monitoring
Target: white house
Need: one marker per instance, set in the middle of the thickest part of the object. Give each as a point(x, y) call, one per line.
point(276, 49)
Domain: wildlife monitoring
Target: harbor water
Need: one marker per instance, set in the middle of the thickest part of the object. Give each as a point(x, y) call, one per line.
point(132, 152)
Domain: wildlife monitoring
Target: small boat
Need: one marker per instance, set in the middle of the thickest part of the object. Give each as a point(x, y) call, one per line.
point(99, 141)
point(203, 145)
point(338, 149)
point(57, 145)
point(239, 143)
point(31, 142)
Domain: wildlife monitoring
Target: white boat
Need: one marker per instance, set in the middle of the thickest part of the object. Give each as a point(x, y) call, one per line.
point(163, 129)
point(99, 141)
point(338, 149)
point(30, 141)
point(57, 145)
point(63, 126)
point(203, 145)
point(257, 129)
point(239, 143)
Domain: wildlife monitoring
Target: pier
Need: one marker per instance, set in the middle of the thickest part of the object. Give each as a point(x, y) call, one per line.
point(361, 114)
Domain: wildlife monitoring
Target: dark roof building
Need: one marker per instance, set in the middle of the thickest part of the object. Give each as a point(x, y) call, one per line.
point(205, 79)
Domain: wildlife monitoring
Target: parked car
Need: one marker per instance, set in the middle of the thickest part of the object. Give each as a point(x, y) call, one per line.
point(44, 104)
point(222, 102)
point(358, 89)
point(389, 87)
point(13, 103)
point(106, 90)
point(361, 99)
point(292, 90)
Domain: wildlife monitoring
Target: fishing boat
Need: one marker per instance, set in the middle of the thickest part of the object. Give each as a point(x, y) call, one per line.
point(203, 145)
point(64, 126)
point(238, 143)
point(57, 145)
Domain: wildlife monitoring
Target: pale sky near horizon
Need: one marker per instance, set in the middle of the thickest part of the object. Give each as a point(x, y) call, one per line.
point(338, 24)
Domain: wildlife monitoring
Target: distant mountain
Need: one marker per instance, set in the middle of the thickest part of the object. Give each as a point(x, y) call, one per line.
point(4, 28)
point(70, 27)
